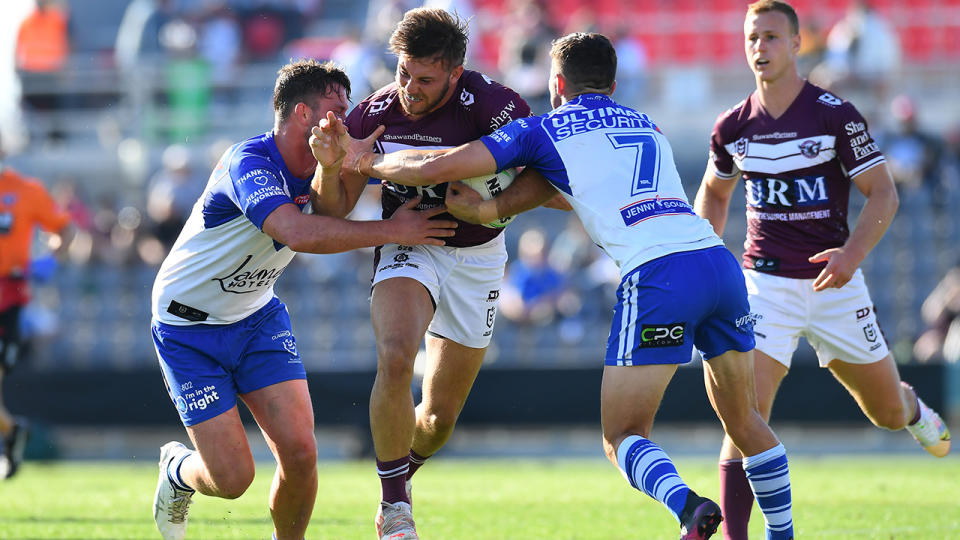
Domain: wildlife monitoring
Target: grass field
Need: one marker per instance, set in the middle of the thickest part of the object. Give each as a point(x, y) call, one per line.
point(881, 497)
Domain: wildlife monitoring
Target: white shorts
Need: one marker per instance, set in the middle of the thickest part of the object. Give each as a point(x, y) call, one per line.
point(464, 284)
point(838, 323)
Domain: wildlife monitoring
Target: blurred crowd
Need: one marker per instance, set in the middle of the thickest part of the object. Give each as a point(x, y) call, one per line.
point(556, 275)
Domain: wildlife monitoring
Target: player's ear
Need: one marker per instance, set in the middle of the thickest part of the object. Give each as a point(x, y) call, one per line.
point(455, 73)
point(613, 87)
point(302, 112)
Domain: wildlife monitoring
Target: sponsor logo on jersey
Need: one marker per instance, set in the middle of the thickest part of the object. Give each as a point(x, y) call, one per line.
point(197, 400)
point(863, 314)
point(860, 140)
point(412, 137)
point(491, 316)
point(401, 257)
point(260, 177)
point(661, 335)
point(302, 199)
point(466, 98)
point(570, 121)
point(830, 99)
point(651, 208)
point(242, 281)
point(746, 322)
point(503, 117)
point(777, 192)
point(810, 149)
point(493, 295)
point(775, 135)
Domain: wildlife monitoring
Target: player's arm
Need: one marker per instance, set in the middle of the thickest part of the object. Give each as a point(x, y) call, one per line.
point(429, 167)
point(882, 202)
point(528, 191)
point(713, 198)
point(325, 234)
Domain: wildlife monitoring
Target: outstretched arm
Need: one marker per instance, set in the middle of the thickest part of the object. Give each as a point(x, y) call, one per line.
point(324, 234)
point(408, 167)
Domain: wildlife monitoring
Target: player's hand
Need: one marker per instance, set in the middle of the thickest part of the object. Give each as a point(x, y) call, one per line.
point(413, 226)
point(467, 205)
point(356, 148)
point(325, 141)
point(840, 268)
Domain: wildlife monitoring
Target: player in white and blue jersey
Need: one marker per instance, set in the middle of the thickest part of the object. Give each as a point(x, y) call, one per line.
point(680, 287)
point(219, 331)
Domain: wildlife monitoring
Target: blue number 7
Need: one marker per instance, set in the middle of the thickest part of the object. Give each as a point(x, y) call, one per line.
point(646, 166)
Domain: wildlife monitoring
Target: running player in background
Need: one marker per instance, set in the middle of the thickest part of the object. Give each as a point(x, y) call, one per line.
point(798, 149)
point(219, 331)
point(680, 287)
point(24, 206)
point(450, 292)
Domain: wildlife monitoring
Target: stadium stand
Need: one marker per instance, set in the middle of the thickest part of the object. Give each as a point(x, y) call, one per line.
point(118, 126)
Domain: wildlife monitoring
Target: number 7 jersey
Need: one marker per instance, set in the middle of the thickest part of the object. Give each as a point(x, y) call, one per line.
point(616, 169)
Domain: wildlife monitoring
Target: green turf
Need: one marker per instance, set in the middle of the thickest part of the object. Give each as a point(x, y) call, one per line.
point(877, 497)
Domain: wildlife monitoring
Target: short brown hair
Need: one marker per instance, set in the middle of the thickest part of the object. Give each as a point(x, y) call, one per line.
point(431, 33)
point(304, 79)
point(764, 6)
point(586, 60)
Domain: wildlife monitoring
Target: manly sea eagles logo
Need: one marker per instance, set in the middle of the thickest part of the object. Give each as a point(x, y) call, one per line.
point(810, 149)
point(741, 146)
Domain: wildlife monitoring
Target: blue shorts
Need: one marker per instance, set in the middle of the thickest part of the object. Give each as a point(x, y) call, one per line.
point(665, 302)
point(205, 366)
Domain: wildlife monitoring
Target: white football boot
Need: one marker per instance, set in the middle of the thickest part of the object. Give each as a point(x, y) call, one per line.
point(930, 431)
point(170, 504)
point(395, 522)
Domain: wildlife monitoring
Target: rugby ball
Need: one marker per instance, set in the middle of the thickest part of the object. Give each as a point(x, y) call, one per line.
point(489, 186)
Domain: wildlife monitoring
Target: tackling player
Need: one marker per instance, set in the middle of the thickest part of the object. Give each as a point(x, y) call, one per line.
point(680, 287)
point(799, 148)
point(24, 206)
point(449, 293)
point(219, 331)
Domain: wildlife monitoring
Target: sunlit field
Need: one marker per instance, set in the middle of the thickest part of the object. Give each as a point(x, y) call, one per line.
point(896, 497)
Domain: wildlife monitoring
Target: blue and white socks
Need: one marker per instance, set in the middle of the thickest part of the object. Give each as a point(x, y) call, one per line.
point(173, 471)
point(648, 468)
point(769, 478)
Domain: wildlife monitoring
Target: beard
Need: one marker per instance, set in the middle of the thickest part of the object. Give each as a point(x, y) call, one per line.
point(425, 106)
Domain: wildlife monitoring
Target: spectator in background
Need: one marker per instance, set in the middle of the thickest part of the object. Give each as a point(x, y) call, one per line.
point(631, 66)
point(863, 56)
point(914, 157)
point(42, 52)
point(532, 287)
point(524, 61)
point(171, 194)
point(813, 46)
point(941, 313)
point(24, 206)
point(220, 42)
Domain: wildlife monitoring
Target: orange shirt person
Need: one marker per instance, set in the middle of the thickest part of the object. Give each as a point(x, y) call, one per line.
point(42, 41)
point(24, 205)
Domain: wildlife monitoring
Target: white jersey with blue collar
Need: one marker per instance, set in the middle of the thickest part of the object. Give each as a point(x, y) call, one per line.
point(616, 169)
point(223, 266)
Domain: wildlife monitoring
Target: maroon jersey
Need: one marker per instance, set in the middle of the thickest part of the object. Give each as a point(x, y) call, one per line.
point(797, 172)
point(478, 107)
